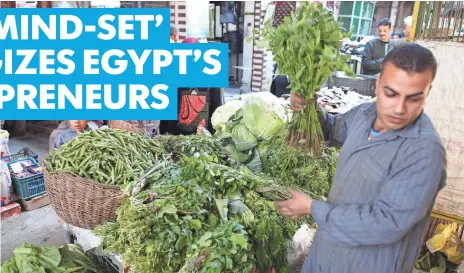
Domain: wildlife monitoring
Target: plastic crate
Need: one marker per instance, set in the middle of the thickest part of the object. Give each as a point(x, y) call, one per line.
point(363, 84)
point(22, 154)
point(28, 187)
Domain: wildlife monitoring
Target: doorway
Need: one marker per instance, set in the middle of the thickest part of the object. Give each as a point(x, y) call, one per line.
point(227, 26)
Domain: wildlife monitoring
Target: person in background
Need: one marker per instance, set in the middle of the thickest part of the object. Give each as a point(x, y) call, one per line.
point(8, 4)
point(404, 37)
point(397, 35)
point(391, 167)
point(194, 109)
point(63, 4)
point(408, 22)
point(95, 124)
point(376, 49)
point(174, 33)
point(75, 127)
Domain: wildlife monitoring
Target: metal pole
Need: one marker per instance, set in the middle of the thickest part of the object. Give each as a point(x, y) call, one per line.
point(139, 4)
point(237, 38)
point(415, 25)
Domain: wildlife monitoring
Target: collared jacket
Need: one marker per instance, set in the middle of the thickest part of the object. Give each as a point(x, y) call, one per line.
point(374, 52)
point(382, 195)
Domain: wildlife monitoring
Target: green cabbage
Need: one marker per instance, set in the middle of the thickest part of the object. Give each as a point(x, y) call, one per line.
point(264, 115)
point(224, 112)
point(236, 156)
point(243, 138)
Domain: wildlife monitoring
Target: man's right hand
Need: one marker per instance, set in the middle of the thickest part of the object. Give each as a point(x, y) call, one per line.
point(298, 103)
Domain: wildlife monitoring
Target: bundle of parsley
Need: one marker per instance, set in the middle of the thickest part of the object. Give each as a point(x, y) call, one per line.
point(306, 48)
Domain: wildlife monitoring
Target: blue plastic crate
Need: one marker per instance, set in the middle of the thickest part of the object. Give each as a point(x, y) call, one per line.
point(24, 153)
point(28, 187)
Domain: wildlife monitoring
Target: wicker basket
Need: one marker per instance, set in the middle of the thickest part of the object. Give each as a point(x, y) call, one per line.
point(130, 126)
point(82, 202)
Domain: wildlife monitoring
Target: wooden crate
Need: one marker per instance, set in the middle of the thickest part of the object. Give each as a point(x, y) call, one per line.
point(437, 218)
point(36, 202)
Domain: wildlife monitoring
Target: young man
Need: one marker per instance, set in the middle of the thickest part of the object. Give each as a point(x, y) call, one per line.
point(391, 167)
point(376, 49)
point(75, 127)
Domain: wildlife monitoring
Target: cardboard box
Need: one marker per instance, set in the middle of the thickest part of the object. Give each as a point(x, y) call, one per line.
point(36, 202)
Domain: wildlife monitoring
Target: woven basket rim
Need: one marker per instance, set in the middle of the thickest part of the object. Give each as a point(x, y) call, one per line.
point(84, 179)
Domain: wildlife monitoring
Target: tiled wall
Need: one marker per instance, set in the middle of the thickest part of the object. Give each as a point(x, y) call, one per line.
point(179, 17)
point(446, 110)
point(259, 53)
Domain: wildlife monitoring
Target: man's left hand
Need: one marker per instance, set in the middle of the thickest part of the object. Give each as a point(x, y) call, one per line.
point(296, 207)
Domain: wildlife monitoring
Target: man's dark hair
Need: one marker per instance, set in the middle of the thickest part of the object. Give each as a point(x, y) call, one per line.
point(412, 58)
point(384, 22)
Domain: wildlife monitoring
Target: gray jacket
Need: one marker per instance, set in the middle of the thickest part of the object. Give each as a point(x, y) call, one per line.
point(372, 57)
point(381, 198)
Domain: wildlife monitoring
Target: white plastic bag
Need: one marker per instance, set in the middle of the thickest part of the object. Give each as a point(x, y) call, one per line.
point(5, 183)
point(4, 136)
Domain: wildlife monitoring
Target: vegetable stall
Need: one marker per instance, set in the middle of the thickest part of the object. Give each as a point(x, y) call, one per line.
point(206, 203)
point(193, 203)
point(189, 203)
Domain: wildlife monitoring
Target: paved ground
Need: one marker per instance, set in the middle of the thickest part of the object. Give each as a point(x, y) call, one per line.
point(37, 142)
point(39, 226)
point(233, 93)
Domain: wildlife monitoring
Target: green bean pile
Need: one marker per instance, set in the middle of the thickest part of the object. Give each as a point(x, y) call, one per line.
point(112, 157)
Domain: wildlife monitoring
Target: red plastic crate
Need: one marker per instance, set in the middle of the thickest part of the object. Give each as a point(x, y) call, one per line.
point(10, 210)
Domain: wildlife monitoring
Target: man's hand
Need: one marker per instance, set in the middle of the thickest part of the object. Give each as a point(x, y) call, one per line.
point(296, 207)
point(298, 103)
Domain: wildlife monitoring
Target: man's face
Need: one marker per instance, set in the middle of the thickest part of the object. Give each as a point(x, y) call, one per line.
point(384, 33)
point(78, 125)
point(407, 31)
point(175, 37)
point(401, 97)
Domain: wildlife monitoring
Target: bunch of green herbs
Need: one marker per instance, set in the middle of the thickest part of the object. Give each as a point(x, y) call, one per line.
point(192, 145)
point(293, 168)
point(306, 48)
point(195, 215)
